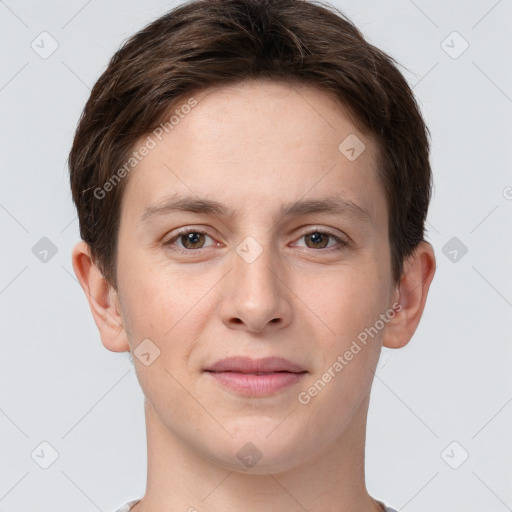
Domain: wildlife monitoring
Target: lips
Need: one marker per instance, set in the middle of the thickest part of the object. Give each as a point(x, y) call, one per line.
point(256, 377)
point(255, 366)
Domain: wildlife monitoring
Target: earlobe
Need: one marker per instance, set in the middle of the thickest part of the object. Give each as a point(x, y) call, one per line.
point(102, 298)
point(419, 270)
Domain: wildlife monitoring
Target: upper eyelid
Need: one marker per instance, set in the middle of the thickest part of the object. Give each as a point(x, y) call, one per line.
point(321, 229)
point(302, 232)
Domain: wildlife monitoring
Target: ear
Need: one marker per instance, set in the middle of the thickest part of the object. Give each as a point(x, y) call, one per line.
point(103, 299)
point(411, 294)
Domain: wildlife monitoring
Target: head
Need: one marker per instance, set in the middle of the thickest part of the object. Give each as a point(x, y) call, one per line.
point(297, 164)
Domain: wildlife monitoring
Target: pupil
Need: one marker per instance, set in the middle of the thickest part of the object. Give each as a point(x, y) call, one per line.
point(191, 238)
point(316, 238)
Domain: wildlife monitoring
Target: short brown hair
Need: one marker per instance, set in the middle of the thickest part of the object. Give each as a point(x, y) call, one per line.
point(205, 43)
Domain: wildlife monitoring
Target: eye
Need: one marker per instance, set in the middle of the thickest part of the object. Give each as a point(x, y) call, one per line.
point(319, 239)
point(189, 238)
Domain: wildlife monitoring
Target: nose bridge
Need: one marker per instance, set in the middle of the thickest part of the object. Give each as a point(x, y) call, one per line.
point(253, 271)
point(255, 295)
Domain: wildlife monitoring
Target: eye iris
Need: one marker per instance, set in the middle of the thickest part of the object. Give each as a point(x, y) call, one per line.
point(316, 237)
point(192, 239)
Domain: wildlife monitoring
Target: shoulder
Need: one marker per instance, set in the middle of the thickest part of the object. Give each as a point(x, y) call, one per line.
point(127, 506)
point(385, 507)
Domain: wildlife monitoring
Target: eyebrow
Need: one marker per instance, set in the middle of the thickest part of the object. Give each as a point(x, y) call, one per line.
point(336, 205)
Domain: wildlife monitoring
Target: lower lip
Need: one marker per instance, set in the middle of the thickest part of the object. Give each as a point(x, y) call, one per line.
point(250, 384)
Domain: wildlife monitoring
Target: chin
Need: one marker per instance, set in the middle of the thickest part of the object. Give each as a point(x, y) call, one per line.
point(258, 453)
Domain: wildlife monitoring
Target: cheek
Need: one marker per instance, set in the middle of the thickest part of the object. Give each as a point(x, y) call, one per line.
point(151, 291)
point(345, 302)
point(350, 306)
point(170, 308)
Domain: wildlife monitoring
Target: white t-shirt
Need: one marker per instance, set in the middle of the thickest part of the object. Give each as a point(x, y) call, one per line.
point(127, 506)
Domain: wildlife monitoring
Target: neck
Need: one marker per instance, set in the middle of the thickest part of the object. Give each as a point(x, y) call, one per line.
point(181, 478)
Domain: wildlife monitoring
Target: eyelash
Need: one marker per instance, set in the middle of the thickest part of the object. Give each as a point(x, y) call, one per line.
point(342, 244)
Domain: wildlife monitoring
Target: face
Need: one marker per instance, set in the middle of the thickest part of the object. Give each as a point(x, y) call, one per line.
point(248, 231)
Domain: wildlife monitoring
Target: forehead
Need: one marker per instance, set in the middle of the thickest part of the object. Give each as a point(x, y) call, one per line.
point(257, 145)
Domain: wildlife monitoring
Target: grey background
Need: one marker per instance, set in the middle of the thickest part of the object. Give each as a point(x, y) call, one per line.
point(452, 383)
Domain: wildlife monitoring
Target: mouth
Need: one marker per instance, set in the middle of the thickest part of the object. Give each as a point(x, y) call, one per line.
point(255, 366)
point(256, 377)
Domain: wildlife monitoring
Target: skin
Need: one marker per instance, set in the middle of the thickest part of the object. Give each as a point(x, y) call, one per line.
point(254, 147)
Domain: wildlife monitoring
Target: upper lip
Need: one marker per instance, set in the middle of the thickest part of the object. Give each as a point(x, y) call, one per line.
point(249, 365)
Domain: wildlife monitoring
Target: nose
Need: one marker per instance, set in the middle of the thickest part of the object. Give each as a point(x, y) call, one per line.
point(255, 295)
